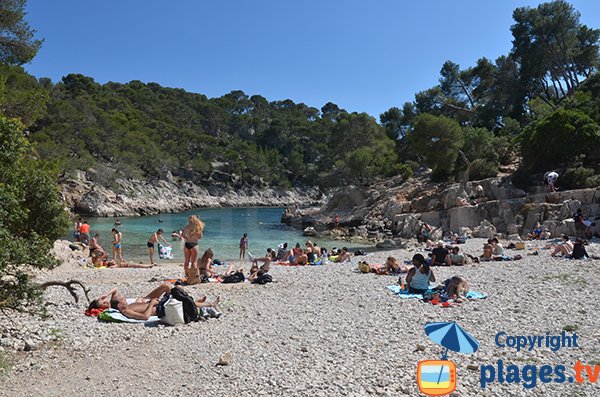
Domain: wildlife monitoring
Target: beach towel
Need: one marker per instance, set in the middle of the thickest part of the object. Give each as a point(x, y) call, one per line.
point(165, 252)
point(115, 316)
point(404, 294)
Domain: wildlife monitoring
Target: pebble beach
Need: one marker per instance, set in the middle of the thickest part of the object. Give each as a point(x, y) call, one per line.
point(315, 331)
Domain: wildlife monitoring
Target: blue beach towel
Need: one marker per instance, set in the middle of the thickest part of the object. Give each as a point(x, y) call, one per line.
point(404, 294)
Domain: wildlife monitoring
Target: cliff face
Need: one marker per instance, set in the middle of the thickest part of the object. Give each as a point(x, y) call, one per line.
point(393, 209)
point(131, 197)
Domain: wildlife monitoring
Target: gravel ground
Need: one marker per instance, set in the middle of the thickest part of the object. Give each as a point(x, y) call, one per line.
point(315, 331)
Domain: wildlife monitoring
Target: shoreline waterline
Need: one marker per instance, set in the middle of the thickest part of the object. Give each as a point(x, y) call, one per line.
point(223, 229)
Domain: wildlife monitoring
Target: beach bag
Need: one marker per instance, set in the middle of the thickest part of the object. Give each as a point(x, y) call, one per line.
point(263, 279)
point(193, 276)
point(520, 245)
point(172, 312)
point(364, 267)
point(165, 252)
point(190, 311)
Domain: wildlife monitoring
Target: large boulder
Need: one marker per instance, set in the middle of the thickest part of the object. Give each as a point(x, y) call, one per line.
point(485, 230)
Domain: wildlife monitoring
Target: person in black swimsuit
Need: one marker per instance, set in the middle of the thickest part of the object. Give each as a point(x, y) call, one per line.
point(155, 238)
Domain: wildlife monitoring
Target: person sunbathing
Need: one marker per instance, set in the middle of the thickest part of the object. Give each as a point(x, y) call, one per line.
point(141, 308)
point(344, 255)
point(579, 251)
point(497, 248)
point(300, 259)
point(259, 273)
point(393, 267)
point(564, 249)
point(124, 263)
point(455, 287)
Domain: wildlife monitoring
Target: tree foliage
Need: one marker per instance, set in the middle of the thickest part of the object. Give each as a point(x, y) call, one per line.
point(17, 42)
point(32, 216)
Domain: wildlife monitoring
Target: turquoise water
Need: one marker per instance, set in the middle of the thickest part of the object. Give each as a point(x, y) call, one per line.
point(223, 230)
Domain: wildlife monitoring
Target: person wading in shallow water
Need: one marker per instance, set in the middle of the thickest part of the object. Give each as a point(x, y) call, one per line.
point(243, 246)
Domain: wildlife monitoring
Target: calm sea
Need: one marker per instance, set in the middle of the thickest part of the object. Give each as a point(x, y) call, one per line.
point(223, 230)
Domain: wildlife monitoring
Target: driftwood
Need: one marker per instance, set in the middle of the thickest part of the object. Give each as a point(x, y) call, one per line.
point(70, 286)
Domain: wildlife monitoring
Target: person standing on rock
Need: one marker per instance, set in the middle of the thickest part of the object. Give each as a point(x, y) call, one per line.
point(191, 234)
point(84, 234)
point(77, 230)
point(154, 239)
point(337, 221)
point(579, 225)
point(243, 246)
point(116, 243)
point(550, 178)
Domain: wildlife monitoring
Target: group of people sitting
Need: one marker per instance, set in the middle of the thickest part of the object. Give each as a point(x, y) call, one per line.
point(420, 276)
point(311, 254)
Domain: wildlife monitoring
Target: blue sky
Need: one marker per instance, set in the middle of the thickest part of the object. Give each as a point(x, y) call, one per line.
point(362, 55)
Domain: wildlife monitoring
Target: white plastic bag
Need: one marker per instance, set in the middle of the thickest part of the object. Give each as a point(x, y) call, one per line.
point(165, 252)
point(173, 312)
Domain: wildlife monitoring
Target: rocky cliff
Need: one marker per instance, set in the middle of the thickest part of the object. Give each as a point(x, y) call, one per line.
point(396, 209)
point(130, 197)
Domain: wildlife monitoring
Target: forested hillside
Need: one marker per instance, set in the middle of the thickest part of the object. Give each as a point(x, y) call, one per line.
point(539, 103)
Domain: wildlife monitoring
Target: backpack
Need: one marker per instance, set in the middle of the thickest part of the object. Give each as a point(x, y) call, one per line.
point(190, 312)
point(263, 279)
point(236, 277)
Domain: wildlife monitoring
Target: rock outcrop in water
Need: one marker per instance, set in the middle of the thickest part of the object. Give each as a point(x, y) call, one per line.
point(134, 197)
point(392, 209)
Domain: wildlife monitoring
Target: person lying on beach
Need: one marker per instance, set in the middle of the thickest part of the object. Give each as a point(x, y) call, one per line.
point(124, 264)
point(232, 276)
point(440, 256)
point(419, 276)
point(260, 275)
point(392, 266)
point(154, 239)
point(344, 255)
point(456, 258)
point(141, 308)
point(455, 287)
point(564, 249)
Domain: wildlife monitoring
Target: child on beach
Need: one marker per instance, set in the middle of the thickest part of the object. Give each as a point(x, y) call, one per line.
point(243, 246)
point(154, 239)
point(205, 265)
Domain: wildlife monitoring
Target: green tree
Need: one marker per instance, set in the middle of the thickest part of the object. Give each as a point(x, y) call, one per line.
point(559, 139)
point(555, 52)
point(31, 216)
point(17, 42)
point(437, 139)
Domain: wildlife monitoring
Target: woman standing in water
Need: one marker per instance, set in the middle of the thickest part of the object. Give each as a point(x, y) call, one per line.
point(191, 233)
point(116, 243)
point(243, 246)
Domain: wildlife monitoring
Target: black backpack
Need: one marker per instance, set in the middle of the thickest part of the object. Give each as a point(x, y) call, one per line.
point(190, 311)
point(263, 279)
point(236, 277)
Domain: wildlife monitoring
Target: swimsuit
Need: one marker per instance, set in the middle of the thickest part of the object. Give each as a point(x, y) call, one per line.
point(150, 245)
point(190, 245)
point(117, 246)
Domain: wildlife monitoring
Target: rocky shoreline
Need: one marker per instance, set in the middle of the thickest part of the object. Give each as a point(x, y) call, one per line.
point(131, 197)
point(394, 210)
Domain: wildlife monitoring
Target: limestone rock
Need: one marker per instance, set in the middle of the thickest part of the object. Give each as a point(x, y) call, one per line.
point(485, 230)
